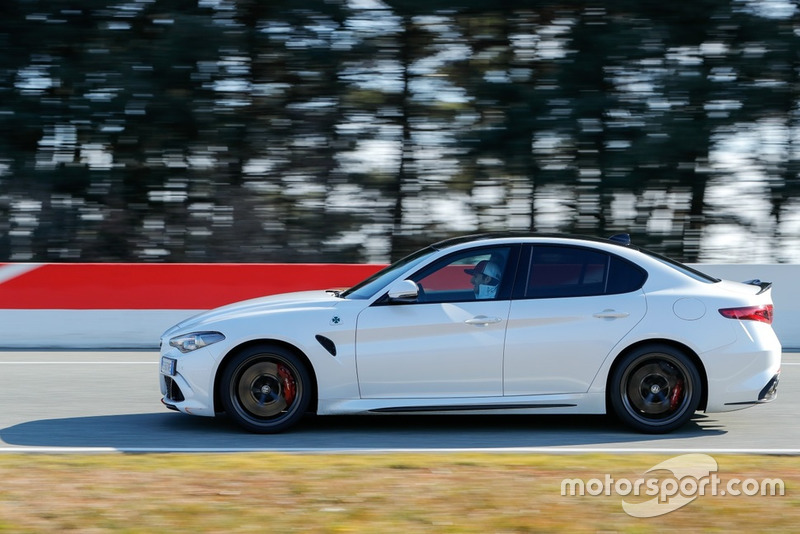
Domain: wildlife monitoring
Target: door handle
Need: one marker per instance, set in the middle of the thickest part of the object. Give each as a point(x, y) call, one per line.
point(611, 314)
point(482, 320)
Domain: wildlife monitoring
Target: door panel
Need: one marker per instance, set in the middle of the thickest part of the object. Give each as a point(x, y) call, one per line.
point(557, 345)
point(435, 350)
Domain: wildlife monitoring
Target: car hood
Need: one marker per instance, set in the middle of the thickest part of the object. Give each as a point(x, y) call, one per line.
point(285, 301)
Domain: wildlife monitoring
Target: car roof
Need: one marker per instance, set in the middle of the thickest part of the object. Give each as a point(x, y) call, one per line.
point(619, 240)
point(623, 240)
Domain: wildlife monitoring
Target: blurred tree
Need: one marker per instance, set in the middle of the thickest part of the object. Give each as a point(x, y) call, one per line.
point(339, 130)
point(508, 80)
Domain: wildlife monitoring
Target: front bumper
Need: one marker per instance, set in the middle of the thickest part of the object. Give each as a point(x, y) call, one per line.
point(186, 382)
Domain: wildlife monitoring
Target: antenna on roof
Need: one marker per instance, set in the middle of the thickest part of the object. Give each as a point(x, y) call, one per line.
point(622, 239)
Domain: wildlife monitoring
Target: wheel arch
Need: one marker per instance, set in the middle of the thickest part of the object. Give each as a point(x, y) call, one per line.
point(671, 343)
point(312, 405)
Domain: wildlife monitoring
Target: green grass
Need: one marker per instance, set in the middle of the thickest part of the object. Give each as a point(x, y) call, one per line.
point(265, 492)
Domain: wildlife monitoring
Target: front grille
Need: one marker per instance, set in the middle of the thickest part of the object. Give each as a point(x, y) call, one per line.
point(174, 393)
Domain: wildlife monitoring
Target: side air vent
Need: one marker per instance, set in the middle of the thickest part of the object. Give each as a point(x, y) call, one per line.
point(329, 345)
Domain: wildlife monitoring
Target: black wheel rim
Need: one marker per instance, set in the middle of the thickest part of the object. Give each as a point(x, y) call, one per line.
point(657, 389)
point(266, 389)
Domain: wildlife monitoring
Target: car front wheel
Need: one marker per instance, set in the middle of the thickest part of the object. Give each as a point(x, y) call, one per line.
point(655, 389)
point(265, 389)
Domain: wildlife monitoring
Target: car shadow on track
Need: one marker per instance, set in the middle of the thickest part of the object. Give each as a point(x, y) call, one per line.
point(176, 432)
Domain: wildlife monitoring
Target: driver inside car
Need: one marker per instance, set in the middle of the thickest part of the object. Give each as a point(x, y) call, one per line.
point(485, 279)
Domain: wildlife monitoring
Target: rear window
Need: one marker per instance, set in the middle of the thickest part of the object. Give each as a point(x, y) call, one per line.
point(678, 266)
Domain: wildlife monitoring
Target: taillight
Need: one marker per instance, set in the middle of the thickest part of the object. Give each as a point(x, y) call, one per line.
point(761, 313)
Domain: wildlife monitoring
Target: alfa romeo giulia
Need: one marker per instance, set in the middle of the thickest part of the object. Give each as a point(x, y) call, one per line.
point(487, 324)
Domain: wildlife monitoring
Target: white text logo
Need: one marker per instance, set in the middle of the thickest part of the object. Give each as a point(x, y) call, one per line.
point(692, 476)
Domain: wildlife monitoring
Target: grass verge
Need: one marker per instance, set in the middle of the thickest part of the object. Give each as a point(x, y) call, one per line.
point(367, 493)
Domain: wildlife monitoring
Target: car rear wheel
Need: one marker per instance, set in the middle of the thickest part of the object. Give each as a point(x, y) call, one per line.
point(655, 389)
point(265, 389)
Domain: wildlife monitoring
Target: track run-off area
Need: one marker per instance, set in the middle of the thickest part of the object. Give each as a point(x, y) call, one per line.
point(108, 401)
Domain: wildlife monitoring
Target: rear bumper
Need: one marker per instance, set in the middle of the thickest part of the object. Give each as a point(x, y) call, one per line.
point(744, 374)
point(767, 394)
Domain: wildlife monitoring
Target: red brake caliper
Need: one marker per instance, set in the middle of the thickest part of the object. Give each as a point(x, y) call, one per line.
point(675, 398)
point(289, 385)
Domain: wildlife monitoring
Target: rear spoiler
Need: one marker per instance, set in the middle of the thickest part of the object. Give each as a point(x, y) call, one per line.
point(756, 282)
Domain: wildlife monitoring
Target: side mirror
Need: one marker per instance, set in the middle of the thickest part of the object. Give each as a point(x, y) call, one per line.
point(404, 291)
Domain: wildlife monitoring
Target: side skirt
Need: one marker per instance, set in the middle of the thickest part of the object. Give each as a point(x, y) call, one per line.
point(468, 408)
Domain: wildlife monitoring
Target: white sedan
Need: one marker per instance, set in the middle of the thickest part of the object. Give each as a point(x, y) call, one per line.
point(487, 324)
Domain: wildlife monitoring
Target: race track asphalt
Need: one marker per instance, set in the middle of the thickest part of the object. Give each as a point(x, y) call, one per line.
point(104, 401)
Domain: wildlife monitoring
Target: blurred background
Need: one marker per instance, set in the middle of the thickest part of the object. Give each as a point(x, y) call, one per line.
point(360, 130)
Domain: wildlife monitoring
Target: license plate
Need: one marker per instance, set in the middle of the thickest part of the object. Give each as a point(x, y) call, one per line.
point(168, 366)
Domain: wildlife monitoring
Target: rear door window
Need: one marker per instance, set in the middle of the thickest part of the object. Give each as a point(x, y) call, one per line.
point(565, 271)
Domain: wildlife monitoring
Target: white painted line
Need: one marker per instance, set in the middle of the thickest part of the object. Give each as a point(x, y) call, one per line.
point(339, 450)
point(59, 450)
point(76, 363)
point(7, 272)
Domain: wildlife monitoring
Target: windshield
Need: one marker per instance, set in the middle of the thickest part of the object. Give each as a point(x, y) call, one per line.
point(379, 280)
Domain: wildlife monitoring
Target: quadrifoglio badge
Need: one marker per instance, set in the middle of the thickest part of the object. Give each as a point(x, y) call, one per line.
point(671, 484)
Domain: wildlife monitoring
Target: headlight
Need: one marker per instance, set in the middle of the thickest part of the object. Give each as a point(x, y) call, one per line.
point(195, 340)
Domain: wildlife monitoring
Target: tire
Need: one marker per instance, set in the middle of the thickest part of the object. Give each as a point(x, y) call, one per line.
point(655, 389)
point(265, 389)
